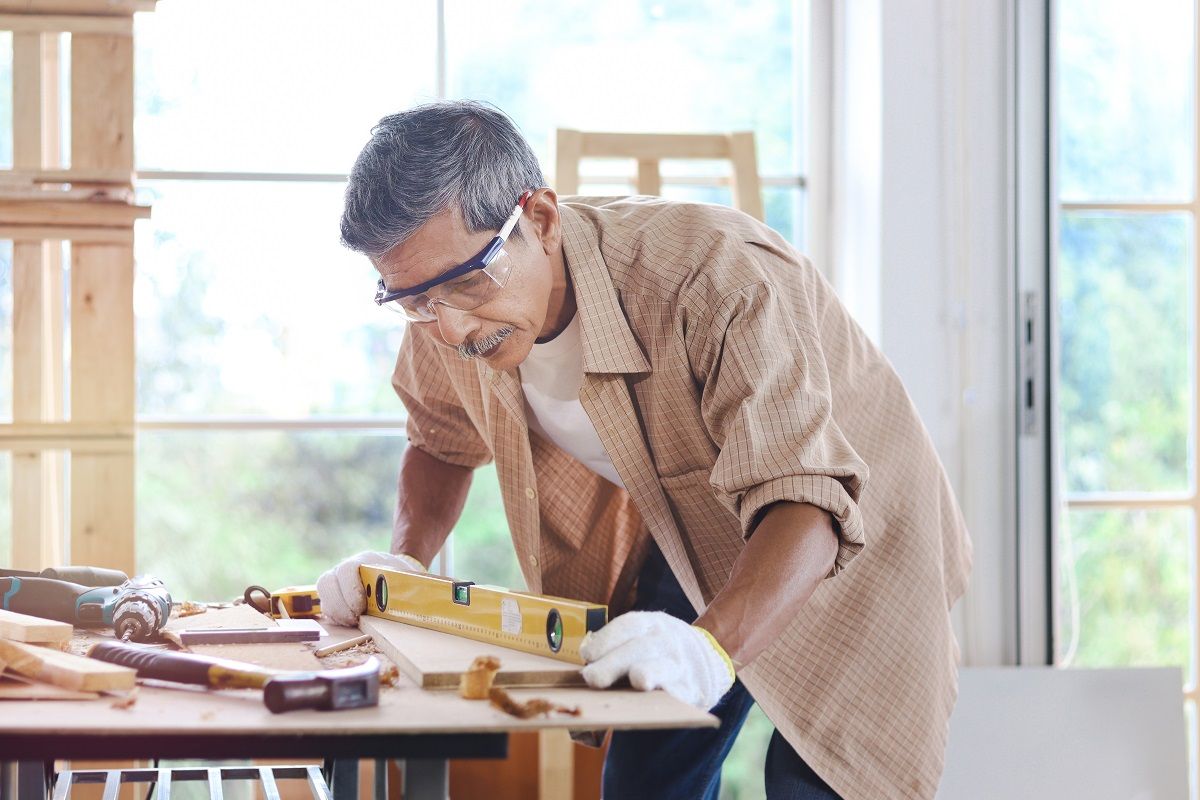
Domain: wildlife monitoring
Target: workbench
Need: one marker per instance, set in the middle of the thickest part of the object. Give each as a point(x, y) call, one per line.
point(420, 727)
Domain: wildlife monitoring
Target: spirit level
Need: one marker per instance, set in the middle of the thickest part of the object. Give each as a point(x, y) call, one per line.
point(533, 623)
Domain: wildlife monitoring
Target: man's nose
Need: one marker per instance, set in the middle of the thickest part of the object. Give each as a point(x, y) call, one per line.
point(453, 325)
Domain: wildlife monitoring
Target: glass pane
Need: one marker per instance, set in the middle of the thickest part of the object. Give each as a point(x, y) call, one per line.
point(5, 508)
point(633, 65)
point(483, 549)
point(1125, 388)
point(6, 107)
point(6, 331)
point(1125, 582)
point(275, 85)
point(247, 304)
point(742, 772)
point(1125, 100)
point(220, 510)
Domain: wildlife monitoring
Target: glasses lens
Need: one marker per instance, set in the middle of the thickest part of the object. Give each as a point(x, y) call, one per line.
point(415, 308)
point(475, 288)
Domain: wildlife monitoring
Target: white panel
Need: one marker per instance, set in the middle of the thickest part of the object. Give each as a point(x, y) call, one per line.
point(1040, 732)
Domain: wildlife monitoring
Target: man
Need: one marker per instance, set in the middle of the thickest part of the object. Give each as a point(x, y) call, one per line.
point(683, 417)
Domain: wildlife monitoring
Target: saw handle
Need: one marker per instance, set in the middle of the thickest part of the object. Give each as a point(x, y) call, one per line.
point(182, 667)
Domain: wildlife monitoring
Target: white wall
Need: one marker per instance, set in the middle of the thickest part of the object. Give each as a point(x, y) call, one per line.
point(940, 256)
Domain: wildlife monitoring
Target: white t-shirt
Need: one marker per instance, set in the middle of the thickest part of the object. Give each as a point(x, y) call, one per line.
point(551, 376)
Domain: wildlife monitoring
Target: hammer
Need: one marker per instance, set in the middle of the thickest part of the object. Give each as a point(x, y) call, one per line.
point(328, 690)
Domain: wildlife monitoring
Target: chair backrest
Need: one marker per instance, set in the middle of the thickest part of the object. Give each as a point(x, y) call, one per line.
point(648, 149)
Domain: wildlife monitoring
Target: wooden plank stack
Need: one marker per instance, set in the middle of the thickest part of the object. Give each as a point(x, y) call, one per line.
point(90, 206)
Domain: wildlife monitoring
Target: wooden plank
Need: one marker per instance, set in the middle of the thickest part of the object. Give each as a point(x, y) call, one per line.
point(556, 765)
point(599, 144)
point(102, 101)
point(747, 188)
point(292, 656)
point(102, 380)
point(80, 234)
point(435, 660)
point(114, 8)
point(568, 146)
point(66, 431)
point(649, 181)
point(91, 177)
point(17, 687)
point(24, 628)
point(102, 511)
point(59, 23)
point(81, 213)
point(64, 669)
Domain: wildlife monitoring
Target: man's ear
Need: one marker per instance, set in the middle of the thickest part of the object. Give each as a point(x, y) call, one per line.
point(542, 212)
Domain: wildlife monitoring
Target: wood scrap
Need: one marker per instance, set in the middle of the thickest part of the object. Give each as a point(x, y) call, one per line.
point(25, 628)
point(476, 682)
point(533, 707)
point(65, 669)
point(328, 650)
point(18, 687)
point(126, 700)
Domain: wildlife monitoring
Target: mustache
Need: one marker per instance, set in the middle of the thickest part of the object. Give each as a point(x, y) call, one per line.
point(480, 346)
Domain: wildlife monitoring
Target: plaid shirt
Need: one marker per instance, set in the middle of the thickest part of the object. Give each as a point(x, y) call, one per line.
point(723, 375)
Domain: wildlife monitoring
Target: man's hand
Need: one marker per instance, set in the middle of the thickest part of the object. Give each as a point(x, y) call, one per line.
point(343, 598)
point(658, 651)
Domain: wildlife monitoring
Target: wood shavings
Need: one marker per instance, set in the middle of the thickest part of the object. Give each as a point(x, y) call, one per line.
point(189, 609)
point(535, 706)
point(476, 682)
point(126, 700)
point(207, 715)
point(173, 638)
point(389, 676)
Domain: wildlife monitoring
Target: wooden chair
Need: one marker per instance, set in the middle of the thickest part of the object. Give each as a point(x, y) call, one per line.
point(648, 149)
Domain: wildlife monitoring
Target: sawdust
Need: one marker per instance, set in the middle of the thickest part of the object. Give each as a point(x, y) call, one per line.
point(351, 656)
point(126, 700)
point(533, 707)
point(189, 609)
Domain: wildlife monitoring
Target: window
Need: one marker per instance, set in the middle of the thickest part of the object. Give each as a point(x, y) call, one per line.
point(268, 433)
point(1126, 271)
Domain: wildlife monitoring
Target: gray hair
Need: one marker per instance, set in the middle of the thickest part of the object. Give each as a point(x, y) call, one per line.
point(418, 163)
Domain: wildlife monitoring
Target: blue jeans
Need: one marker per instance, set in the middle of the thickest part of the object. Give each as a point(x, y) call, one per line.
point(686, 764)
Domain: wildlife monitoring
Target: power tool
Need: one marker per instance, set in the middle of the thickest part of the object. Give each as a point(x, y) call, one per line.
point(136, 609)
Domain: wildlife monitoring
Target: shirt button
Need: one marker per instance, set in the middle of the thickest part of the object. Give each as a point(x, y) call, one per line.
point(530, 493)
point(532, 560)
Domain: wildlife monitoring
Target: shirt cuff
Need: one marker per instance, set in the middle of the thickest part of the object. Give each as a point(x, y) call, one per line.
point(818, 490)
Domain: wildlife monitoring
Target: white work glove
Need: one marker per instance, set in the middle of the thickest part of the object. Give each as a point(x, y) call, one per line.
point(343, 598)
point(658, 651)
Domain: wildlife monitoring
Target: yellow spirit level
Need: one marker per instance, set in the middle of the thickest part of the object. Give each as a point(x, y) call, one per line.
point(533, 623)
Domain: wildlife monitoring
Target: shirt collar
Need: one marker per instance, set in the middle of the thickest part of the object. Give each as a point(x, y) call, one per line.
point(608, 343)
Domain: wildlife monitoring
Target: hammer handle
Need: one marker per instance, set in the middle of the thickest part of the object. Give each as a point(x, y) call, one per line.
point(182, 667)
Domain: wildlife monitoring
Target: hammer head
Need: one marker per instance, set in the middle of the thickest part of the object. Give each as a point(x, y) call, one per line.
point(330, 690)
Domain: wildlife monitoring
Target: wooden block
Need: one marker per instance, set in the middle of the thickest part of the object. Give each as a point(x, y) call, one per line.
point(80, 234)
point(58, 23)
point(24, 628)
point(747, 191)
point(654, 145)
point(102, 516)
point(16, 687)
point(102, 354)
point(64, 669)
point(567, 152)
point(57, 212)
point(102, 101)
point(89, 7)
point(649, 180)
point(435, 660)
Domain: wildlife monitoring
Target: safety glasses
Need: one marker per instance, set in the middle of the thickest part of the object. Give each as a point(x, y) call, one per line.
point(465, 287)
